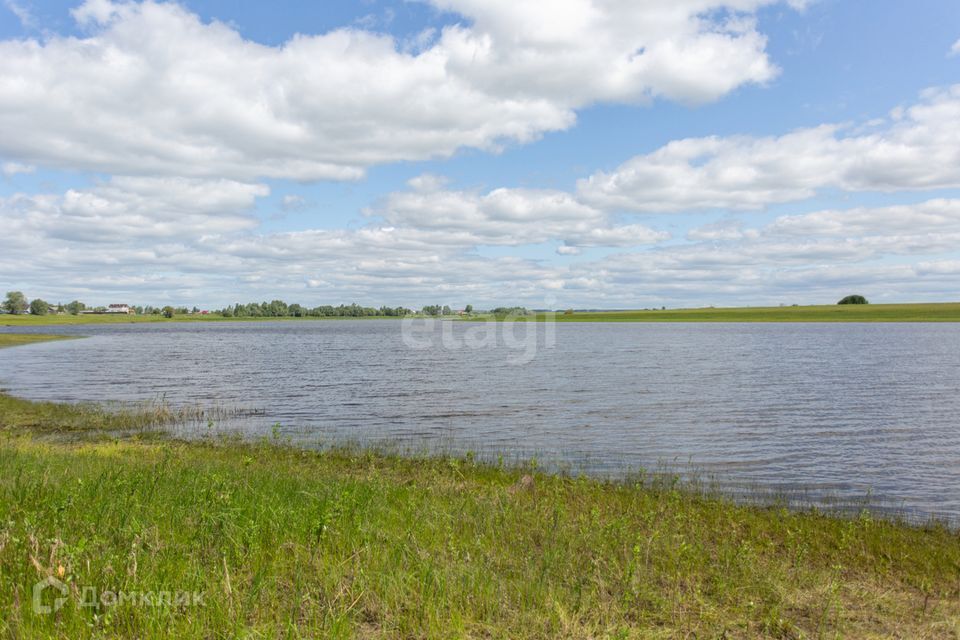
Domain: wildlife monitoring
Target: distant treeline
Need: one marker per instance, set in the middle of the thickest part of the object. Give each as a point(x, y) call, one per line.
point(17, 303)
point(280, 309)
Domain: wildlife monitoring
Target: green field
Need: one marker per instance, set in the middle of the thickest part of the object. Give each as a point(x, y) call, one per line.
point(282, 542)
point(921, 312)
point(925, 312)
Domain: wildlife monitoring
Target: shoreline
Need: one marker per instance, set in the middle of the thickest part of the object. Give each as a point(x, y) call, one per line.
point(345, 543)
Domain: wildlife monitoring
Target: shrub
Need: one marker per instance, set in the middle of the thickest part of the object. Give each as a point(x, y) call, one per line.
point(854, 299)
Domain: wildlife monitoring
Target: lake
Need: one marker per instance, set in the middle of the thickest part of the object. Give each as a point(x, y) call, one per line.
point(834, 414)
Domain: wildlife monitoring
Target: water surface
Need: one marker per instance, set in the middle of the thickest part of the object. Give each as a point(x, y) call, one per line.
point(833, 411)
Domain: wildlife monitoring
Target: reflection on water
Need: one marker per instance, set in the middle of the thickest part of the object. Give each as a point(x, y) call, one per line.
point(844, 410)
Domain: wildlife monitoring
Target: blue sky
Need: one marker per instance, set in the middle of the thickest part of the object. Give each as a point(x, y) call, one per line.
point(204, 153)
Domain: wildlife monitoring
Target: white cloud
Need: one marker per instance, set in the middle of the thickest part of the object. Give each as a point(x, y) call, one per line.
point(508, 216)
point(916, 148)
point(127, 209)
point(793, 259)
point(931, 217)
point(13, 168)
point(955, 49)
point(154, 90)
point(609, 50)
point(720, 230)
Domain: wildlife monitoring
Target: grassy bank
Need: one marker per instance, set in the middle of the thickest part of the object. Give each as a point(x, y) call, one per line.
point(284, 542)
point(928, 312)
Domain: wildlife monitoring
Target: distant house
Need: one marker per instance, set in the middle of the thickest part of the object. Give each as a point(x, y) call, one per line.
point(119, 308)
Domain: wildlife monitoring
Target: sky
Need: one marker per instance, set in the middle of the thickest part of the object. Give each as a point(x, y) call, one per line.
point(577, 153)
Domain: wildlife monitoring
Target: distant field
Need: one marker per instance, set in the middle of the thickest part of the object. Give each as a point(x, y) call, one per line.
point(925, 312)
point(932, 312)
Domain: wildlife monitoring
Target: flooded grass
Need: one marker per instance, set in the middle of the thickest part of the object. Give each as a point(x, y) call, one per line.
point(111, 418)
point(338, 543)
point(19, 339)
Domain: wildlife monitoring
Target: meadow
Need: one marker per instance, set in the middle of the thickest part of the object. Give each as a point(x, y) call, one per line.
point(261, 539)
point(922, 312)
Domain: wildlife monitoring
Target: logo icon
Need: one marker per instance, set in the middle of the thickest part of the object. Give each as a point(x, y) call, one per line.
point(49, 583)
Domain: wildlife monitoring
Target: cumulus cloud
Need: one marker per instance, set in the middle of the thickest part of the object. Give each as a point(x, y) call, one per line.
point(410, 266)
point(802, 258)
point(508, 216)
point(125, 209)
point(915, 148)
point(610, 50)
point(152, 89)
point(931, 217)
point(955, 49)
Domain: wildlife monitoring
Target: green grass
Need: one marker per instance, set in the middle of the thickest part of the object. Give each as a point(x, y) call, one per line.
point(284, 542)
point(340, 543)
point(926, 312)
point(920, 312)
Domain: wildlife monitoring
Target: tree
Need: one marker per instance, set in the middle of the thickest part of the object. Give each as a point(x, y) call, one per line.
point(468, 308)
point(853, 299)
point(16, 302)
point(74, 308)
point(168, 311)
point(510, 311)
point(276, 309)
point(39, 307)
